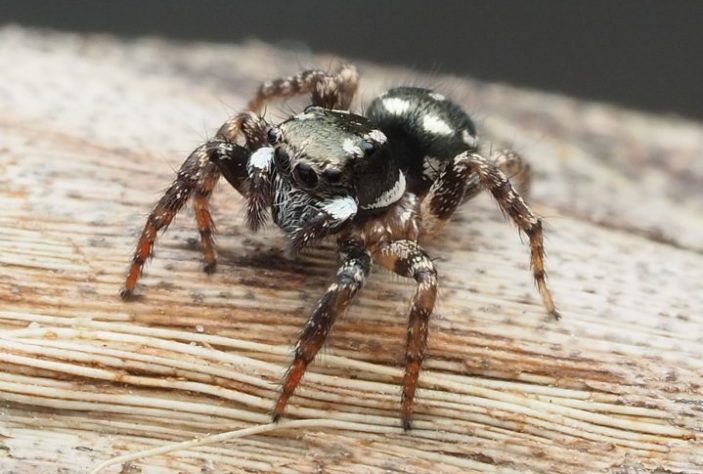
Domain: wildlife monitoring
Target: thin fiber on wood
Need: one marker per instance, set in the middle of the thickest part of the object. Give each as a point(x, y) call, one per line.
point(91, 129)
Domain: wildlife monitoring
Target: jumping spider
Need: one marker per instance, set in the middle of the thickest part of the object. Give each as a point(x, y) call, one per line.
point(379, 183)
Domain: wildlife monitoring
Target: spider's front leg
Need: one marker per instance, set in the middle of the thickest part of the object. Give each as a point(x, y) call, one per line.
point(408, 259)
point(355, 265)
point(197, 174)
point(197, 177)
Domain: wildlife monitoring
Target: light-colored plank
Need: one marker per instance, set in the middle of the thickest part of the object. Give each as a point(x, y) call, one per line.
point(90, 131)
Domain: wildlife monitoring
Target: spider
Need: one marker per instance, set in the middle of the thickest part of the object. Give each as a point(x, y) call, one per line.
point(379, 183)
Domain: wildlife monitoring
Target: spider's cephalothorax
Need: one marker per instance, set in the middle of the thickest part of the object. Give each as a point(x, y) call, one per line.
point(379, 183)
point(328, 166)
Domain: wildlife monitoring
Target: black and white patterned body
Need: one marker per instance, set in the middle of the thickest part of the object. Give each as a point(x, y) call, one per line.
point(379, 184)
point(358, 165)
point(425, 131)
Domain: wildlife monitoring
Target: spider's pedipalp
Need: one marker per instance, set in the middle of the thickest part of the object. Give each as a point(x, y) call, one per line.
point(355, 266)
point(259, 164)
point(495, 181)
point(408, 259)
point(333, 214)
point(260, 171)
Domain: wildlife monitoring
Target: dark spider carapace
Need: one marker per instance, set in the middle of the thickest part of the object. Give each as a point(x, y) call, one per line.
point(379, 184)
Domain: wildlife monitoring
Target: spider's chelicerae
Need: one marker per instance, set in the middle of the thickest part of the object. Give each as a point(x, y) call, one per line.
point(380, 184)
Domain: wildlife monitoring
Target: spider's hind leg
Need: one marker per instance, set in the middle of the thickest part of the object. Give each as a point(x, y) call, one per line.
point(512, 204)
point(514, 166)
point(467, 173)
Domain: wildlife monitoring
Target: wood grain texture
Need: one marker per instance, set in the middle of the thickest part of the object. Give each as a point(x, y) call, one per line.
point(91, 129)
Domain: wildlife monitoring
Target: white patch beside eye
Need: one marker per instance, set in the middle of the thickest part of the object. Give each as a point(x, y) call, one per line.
point(391, 196)
point(437, 96)
point(469, 139)
point(341, 208)
point(261, 159)
point(395, 105)
point(350, 146)
point(376, 136)
point(436, 126)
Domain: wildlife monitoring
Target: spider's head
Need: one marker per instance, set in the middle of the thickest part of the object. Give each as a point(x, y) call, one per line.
point(331, 153)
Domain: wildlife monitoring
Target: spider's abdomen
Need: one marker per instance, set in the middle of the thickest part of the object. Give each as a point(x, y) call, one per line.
point(425, 130)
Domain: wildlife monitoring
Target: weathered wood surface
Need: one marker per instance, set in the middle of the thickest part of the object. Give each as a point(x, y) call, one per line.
point(90, 131)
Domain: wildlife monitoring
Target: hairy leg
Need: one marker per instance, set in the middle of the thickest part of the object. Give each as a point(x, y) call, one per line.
point(353, 270)
point(165, 210)
point(408, 259)
point(197, 175)
point(332, 91)
point(445, 195)
point(457, 184)
point(495, 181)
point(514, 166)
point(203, 219)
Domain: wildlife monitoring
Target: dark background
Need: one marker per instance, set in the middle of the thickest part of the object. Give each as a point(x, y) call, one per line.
point(643, 54)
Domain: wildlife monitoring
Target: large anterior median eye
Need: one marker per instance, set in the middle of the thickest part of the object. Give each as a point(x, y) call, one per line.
point(305, 176)
point(282, 161)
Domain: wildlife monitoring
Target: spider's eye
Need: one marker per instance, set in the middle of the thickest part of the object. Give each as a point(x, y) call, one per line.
point(281, 156)
point(305, 175)
point(368, 147)
point(332, 176)
point(273, 136)
point(281, 160)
